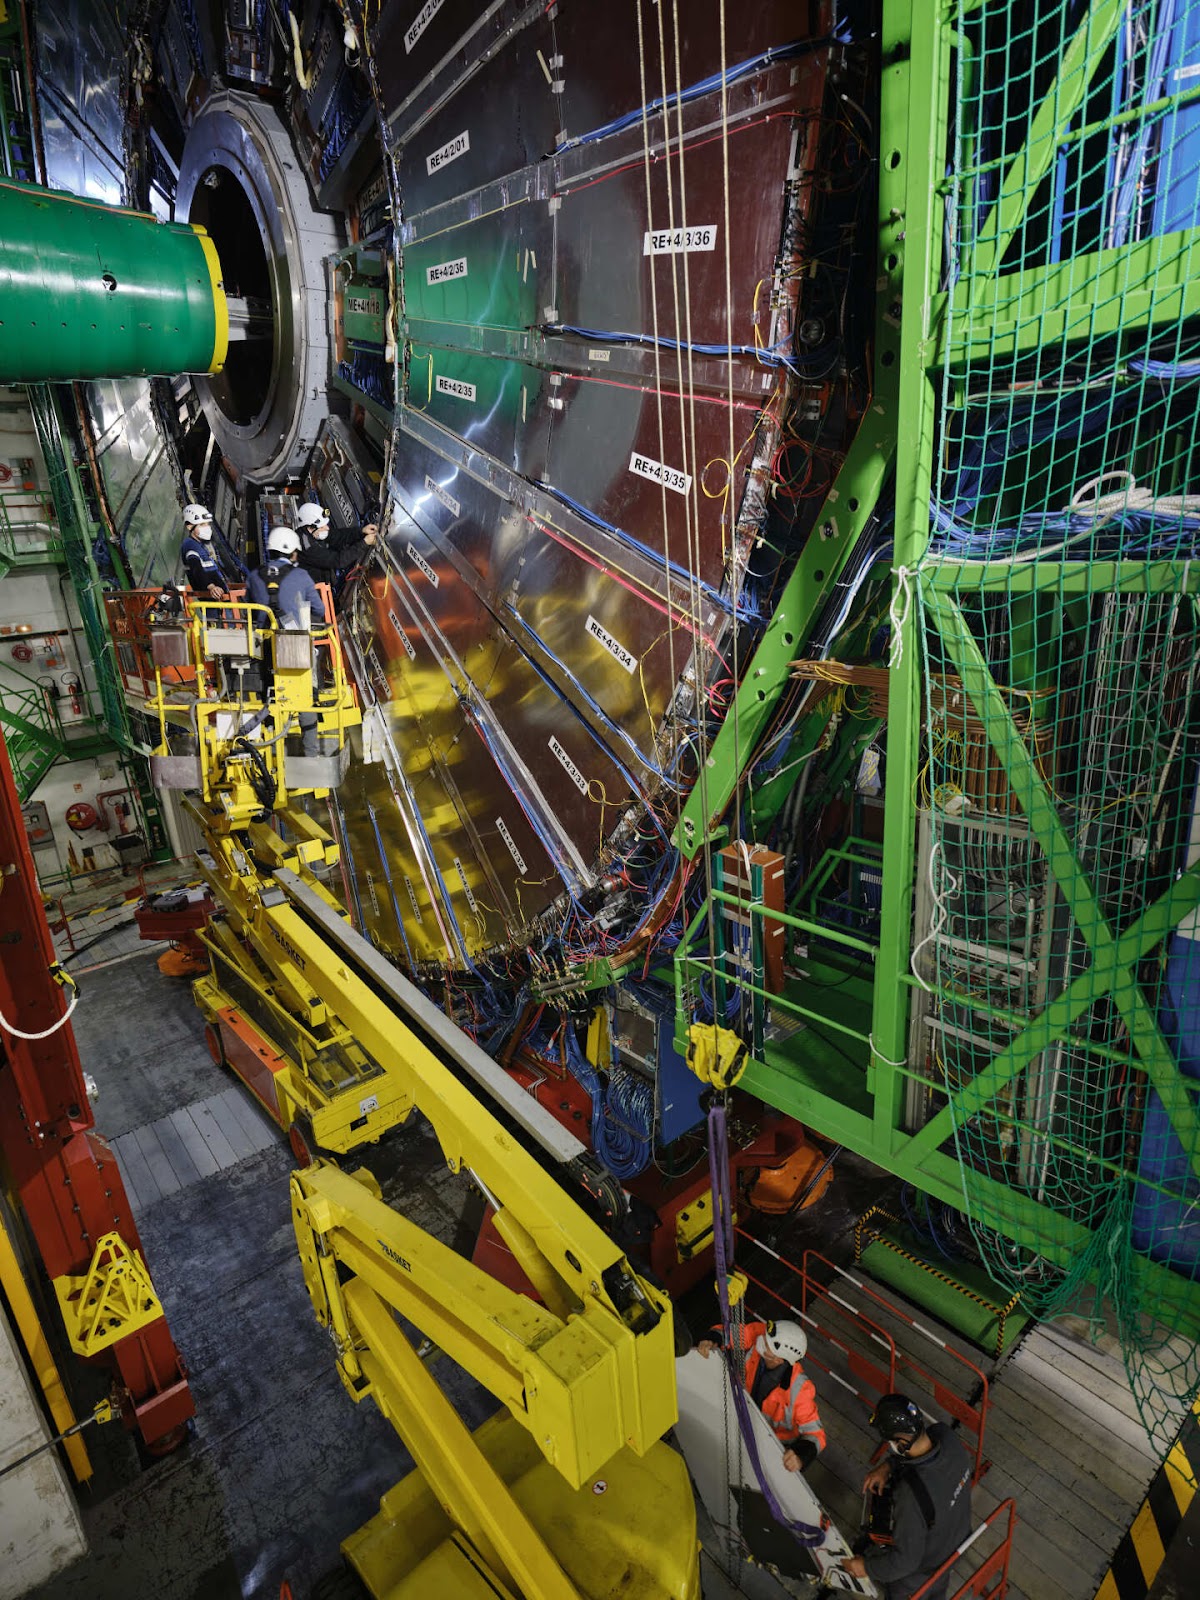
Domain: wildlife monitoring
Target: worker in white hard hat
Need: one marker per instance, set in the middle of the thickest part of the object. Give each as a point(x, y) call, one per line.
point(287, 588)
point(323, 552)
point(200, 563)
point(781, 1388)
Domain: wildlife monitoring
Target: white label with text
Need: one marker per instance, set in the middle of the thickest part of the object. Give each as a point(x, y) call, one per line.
point(458, 867)
point(458, 146)
point(512, 845)
point(419, 560)
point(404, 639)
point(677, 241)
point(371, 1103)
point(454, 386)
point(569, 767)
point(413, 898)
point(670, 477)
point(617, 651)
point(420, 22)
point(445, 270)
point(444, 495)
point(599, 355)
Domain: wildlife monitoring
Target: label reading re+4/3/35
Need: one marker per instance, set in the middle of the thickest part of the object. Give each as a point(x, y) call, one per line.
point(616, 650)
point(512, 845)
point(454, 386)
point(445, 270)
point(670, 477)
point(458, 146)
point(419, 560)
point(569, 767)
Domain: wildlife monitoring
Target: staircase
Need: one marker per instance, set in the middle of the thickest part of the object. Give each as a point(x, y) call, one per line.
point(32, 728)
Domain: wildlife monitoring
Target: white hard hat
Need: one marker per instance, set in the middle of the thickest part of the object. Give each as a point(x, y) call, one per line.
point(195, 516)
point(310, 515)
point(283, 541)
point(786, 1339)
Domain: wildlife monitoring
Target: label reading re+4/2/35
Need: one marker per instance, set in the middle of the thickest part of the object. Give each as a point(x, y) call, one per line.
point(454, 386)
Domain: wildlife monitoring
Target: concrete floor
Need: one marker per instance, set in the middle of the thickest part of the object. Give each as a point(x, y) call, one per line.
point(282, 1464)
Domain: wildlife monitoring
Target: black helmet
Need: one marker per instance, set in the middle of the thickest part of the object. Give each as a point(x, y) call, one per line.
point(897, 1417)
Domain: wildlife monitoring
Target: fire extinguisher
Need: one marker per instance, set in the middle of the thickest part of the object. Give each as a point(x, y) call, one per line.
point(74, 688)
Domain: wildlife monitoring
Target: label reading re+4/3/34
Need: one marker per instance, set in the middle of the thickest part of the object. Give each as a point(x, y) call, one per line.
point(445, 270)
point(444, 495)
point(569, 767)
point(454, 386)
point(670, 477)
point(458, 146)
point(512, 845)
point(676, 241)
point(616, 650)
point(419, 560)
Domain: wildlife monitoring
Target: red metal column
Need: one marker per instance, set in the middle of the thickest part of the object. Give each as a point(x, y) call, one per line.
point(63, 1171)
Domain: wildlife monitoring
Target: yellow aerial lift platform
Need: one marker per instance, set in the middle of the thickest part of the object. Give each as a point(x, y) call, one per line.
point(569, 1492)
point(231, 688)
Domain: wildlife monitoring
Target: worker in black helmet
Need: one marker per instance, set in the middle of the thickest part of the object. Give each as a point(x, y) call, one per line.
point(928, 1473)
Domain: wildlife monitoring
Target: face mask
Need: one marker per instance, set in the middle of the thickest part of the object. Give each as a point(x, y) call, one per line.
point(321, 532)
point(202, 532)
point(899, 1449)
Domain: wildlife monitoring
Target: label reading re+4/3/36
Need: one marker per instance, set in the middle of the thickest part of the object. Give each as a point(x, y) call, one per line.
point(676, 241)
point(569, 767)
point(670, 477)
point(616, 650)
point(458, 146)
point(445, 270)
point(454, 386)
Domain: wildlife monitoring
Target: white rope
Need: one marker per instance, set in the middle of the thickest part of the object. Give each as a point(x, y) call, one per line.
point(18, 1033)
point(939, 919)
point(897, 616)
point(876, 1051)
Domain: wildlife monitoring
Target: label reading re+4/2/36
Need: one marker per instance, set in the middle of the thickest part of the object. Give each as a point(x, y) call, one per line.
point(420, 22)
point(445, 270)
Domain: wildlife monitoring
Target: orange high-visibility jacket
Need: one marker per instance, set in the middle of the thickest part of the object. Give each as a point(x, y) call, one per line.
point(792, 1409)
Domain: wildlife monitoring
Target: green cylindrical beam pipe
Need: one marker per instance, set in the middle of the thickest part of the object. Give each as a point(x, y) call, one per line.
point(91, 291)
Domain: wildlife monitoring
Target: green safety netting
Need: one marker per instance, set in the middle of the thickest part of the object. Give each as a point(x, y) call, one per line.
point(1056, 934)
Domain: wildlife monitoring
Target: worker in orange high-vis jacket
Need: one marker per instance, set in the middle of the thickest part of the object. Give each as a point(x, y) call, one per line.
point(781, 1388)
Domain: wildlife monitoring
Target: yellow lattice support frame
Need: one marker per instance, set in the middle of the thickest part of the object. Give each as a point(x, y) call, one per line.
point(113, 1299)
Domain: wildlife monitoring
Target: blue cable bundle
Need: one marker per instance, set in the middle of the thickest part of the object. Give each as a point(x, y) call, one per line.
point(622, 1110)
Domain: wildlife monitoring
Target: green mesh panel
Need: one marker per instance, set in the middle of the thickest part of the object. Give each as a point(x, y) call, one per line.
point(1058, 790)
